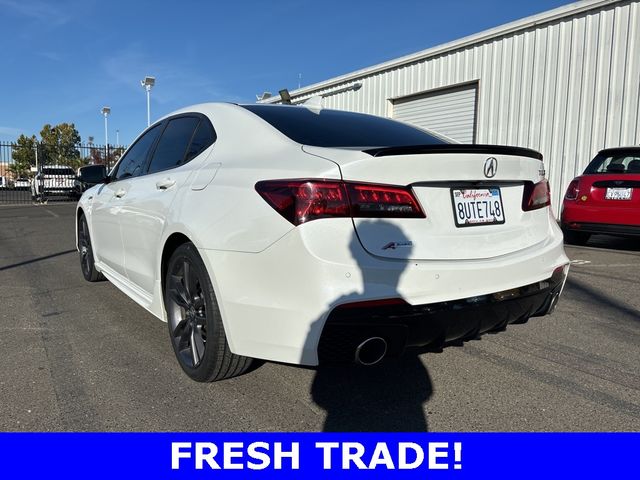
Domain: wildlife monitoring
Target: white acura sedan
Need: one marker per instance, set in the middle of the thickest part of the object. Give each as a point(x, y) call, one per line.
point(307, 235)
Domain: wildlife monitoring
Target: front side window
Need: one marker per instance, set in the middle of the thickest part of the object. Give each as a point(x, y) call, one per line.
point(133, 162)
point(172, 147)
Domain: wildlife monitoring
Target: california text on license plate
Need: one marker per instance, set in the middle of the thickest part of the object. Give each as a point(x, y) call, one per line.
point(477, 206)
point(618, 194)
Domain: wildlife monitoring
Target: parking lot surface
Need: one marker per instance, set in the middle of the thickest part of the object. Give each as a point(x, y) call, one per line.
point(80, 356)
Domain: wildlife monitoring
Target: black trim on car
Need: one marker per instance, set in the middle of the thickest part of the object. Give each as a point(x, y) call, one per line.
point(469, 183)
point(603, 228)
point(617, 183)
point(631, 149)
point(454, 148)
point(433, 325)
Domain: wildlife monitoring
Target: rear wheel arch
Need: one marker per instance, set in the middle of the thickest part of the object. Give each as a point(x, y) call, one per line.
point(79, 214)
point(217, 361)
point(170, 245)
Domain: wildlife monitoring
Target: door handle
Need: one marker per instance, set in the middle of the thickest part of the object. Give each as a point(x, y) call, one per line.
point(120, 193)
point(164, 184)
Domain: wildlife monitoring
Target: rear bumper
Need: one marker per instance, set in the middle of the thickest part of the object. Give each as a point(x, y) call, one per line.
point(605, 228)
point(275, 303)
point(620, 218)
point(435, 324)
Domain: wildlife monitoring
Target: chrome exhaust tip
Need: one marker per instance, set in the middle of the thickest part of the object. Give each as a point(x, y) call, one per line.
point(371, 351)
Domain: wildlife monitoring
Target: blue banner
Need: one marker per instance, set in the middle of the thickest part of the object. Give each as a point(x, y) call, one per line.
point(316, 455)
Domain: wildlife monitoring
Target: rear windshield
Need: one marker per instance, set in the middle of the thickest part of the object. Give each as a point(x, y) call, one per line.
point(335, 128)
point(58, 171)
point(624, 161)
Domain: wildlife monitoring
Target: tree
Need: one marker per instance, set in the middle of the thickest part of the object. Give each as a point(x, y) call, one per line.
point(24, 156)
point(59, 145)
point(97, 156)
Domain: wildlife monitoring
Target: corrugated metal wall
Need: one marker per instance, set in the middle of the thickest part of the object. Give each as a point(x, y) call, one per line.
point(567, 88)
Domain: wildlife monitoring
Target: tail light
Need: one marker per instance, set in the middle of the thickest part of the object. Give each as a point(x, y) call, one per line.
point(387, 201)
point(536, 195)
point(572, 190)
point(301, 201)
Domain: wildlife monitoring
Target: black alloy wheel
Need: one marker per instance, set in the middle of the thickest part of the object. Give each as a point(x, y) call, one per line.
point(188, 313)
point(87, 264)
point(195, 325)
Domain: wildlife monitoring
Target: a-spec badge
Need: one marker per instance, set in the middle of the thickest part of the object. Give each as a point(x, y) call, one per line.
point(490, 167)
point(394, 245)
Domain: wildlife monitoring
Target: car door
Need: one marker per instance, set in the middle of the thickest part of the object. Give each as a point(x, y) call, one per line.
point(150, 197)
point(108, 202)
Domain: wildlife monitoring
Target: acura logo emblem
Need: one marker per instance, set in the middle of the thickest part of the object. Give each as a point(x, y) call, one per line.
point(490, 167)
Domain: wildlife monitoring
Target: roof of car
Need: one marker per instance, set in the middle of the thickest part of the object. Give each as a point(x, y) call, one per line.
point(619, 149)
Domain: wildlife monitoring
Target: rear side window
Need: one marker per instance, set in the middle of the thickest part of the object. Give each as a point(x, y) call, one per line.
point(134, 160)
point(335, 128)
point(172, 147)
point(615, 162)
point(203, 138)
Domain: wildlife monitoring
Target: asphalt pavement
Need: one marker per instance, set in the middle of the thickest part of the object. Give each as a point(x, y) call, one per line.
point(80, 356)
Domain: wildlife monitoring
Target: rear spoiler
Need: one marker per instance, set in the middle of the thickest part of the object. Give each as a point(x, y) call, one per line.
point(454, 148)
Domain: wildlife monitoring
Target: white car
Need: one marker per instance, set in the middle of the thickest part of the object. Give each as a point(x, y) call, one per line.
point(53, 180)
point(307, 235)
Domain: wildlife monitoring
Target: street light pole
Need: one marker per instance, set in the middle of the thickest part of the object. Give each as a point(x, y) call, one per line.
point(148, 89)
point(147, 83)
point(106, 111)
point(117, 138)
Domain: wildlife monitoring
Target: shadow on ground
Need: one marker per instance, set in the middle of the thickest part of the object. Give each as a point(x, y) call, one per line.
point(628, 244)
point(384, 397)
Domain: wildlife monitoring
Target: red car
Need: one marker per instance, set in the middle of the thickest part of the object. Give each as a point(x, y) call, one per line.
point(605, 198)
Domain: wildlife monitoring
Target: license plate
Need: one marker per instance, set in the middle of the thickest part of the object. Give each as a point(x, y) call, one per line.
point(477, 206)
point(618, 194)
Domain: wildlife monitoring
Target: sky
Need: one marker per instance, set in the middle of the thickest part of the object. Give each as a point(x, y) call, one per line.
point(63, 60)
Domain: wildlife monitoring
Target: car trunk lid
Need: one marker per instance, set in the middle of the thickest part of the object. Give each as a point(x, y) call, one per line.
point(442, 178)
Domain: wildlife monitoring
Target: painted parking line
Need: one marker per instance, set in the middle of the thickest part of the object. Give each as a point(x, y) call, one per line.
point(608, 265)
point(604, 249)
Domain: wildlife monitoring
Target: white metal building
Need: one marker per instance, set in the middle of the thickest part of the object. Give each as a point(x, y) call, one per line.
point(565, 82)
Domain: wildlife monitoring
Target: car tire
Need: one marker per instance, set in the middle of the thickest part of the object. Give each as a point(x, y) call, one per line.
point(87, 262)
point(195, 325)
point(572, 237)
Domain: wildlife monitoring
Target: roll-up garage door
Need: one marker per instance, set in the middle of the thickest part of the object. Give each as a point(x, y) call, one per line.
point(450, 111)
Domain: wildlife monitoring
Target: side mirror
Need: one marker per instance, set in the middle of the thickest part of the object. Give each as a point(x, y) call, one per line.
point(93, 174)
